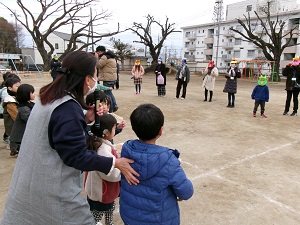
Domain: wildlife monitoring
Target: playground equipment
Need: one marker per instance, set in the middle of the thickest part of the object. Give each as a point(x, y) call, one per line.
point(252, 69)
point(14, 59)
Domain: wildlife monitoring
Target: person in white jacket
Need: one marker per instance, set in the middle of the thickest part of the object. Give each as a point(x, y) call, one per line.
point(210, 72)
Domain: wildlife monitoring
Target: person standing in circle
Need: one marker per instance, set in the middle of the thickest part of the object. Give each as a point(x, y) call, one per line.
point(210, 72)
point(55, 64)
point(161, 78)
point(292, 74)
point(137, 73)
point(183, 78)
point(231, 82)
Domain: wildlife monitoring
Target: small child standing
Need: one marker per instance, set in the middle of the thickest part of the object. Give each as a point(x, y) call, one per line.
point(163, 182)
point(103, 189)
point(261, 95)
point(137, 73)
point(25, 96)
point(10, 109)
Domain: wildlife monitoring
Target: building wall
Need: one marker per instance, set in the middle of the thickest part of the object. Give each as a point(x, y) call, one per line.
point(200, 42)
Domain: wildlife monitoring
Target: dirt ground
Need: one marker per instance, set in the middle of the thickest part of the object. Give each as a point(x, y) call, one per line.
point(245, 170)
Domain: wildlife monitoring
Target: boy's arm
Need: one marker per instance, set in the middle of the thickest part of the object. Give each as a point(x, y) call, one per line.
point(181, 185)
point(12, 110)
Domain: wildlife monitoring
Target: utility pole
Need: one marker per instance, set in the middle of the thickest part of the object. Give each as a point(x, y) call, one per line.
point(217, 18)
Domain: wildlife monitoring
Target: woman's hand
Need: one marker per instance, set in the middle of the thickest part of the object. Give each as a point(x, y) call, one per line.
point(123, 164)
point(121, 125)
point(90, 114)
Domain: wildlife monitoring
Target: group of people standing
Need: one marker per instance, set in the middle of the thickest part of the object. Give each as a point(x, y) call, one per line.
point(47, 182)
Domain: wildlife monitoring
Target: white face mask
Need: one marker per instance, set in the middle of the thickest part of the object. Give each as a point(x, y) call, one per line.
point(91, 90)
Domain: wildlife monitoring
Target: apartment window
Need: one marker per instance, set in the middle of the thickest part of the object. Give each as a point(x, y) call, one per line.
point(238, 41)
point(249, 8)
point(187, 34)
point(251, 54)
point(56, 45)
point(236, 54)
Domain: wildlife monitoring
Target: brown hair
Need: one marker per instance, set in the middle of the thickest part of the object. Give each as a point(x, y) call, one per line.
point(75, 67)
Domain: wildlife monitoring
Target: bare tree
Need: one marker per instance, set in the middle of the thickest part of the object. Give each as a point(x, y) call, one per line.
point(273, 46)
point(123, 50)
point(144, 33)
point(68, 14)
point(8, 37)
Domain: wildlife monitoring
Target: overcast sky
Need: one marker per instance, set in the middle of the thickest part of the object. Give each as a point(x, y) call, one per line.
point(182, 13)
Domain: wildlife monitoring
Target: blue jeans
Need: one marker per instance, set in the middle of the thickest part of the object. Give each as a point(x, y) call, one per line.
point(113, 103)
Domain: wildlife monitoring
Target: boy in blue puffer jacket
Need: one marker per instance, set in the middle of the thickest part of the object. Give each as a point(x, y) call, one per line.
point(162, 180)
point(261, 95)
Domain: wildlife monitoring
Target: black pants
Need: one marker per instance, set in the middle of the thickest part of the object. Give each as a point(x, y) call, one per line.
point(289, 95)
point(231, 98)
point(181, 83)
point(206, 93)
point(262, 106)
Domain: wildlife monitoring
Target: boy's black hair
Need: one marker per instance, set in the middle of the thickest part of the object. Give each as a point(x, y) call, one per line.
point(103, 98)
point(107, 122)
point(23, 93)
point(10, 82)
point(146, 121)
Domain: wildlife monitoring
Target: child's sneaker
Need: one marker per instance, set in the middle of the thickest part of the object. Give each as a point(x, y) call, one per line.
point(294, 114)
point(263, 116)
point(285, 113)
point(254, 114)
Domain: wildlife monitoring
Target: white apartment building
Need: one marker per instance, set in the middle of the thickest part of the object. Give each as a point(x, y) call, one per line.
point(202, 42)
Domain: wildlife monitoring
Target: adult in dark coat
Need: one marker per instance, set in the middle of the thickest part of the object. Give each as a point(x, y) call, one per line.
point(231, 82)
point(292, 74)
point(160, 69)
point(55, 64)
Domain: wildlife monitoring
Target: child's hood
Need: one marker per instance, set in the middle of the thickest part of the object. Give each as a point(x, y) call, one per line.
point(149, 159)
point(9, 98)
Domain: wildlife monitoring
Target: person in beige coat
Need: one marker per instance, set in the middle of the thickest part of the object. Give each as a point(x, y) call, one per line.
point(107, 72)
point(210, 72)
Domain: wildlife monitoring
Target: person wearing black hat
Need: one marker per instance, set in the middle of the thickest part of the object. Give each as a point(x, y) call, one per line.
point(107, 72)
point(183, 78)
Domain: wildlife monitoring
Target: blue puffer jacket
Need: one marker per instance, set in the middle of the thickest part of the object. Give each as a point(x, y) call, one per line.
point(162, 180)
point(260, 93)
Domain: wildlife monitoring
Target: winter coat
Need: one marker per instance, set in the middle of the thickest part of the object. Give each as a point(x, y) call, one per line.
point(231, 80)
point(210, 79)
point(260, 93)
point(10, 111)
point(55, 64)
point(95, 188)
point(19, 126)
point(162, 181)
point(185, 74)
point(107, 67)
point(162, 69)
point(289, 72)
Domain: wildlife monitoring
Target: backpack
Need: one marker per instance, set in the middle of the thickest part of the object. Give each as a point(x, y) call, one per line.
point(160, 79)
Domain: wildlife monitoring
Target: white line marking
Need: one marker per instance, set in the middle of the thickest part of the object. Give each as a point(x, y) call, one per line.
point(256, 192)
point(226, 166)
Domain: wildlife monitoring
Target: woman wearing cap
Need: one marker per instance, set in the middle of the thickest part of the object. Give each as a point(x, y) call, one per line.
point(137, 74)
point(183, 78)
point(160, 69)
point(47, 181)
point(292, 74)
point(231, 82)
point(210, 72)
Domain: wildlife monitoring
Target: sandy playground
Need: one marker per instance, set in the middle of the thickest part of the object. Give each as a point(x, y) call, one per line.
point(245, 170)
